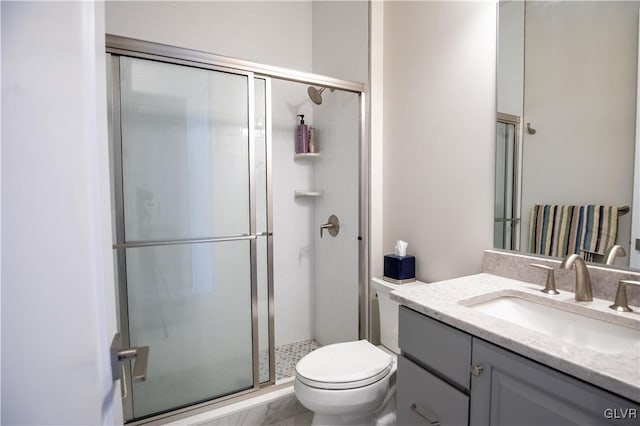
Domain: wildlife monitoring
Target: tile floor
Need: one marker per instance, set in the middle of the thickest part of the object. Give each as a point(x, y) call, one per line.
point(286, 358)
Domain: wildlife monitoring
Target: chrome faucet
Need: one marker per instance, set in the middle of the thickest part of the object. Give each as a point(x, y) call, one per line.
point(612, 253)
point(583, 290)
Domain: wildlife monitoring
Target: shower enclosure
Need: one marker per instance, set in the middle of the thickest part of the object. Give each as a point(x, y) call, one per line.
point(220, 265)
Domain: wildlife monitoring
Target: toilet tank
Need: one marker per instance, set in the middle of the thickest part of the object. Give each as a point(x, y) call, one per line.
point(388, 314)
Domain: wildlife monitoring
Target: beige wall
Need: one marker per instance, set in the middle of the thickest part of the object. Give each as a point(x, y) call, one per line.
point(439, 130)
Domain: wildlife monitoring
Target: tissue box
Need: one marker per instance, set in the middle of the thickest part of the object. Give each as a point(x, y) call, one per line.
point(399, 269)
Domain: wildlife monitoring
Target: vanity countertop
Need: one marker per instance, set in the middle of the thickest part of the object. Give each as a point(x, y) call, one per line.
point(618, 373)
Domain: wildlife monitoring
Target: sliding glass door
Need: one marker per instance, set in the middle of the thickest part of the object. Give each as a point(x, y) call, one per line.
point(185, 199)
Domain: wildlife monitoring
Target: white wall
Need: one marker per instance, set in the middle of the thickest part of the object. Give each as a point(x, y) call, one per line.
point(376, 131)
point(269, 32)
point(58, 313)
point(341, 39)
point(439, 131)
point(510, 57)
point(580, 96)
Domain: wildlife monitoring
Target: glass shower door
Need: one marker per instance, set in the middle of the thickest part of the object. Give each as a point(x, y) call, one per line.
point(186, 239)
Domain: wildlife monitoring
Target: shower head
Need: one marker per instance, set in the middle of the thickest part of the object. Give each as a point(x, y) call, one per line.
point(316, 94)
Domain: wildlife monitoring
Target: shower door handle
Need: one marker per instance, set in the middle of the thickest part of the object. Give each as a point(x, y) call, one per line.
point(118, 354)
point(333, 226)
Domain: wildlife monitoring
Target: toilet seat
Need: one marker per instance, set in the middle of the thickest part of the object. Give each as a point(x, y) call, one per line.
point(347, 365)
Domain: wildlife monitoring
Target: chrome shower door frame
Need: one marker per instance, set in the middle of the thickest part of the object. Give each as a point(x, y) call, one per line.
point(514, 181)
point(120, 243)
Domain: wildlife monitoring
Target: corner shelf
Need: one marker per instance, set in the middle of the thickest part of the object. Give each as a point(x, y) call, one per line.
point(306, 155)
point(306, 193)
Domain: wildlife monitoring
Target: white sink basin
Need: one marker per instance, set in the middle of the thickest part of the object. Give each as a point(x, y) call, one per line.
point(593, 333)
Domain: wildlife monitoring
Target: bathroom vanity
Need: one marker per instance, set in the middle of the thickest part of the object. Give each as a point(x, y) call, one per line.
point(463, 363)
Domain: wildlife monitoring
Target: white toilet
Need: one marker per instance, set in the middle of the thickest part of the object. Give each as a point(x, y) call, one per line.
point(353, 383)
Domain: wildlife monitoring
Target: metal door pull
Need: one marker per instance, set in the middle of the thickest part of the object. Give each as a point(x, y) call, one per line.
point(140, 354)
point(476, 370)
point(333, 226)
point(424, 417)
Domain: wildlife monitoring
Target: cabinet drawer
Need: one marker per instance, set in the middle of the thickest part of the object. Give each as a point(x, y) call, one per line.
point(441, 347)
point(423, 399)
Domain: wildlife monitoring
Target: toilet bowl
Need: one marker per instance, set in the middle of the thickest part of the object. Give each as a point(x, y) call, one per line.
point(353, 383)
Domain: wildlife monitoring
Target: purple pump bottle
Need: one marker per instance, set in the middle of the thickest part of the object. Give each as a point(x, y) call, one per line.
point(302, 136)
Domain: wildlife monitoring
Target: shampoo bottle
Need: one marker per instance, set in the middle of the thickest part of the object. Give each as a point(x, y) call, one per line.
point(302, 136)
point(312, 139)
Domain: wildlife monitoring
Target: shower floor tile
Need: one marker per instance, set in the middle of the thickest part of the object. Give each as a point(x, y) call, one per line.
point(287, 356)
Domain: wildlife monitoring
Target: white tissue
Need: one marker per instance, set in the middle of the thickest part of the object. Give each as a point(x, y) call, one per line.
point(401, 248)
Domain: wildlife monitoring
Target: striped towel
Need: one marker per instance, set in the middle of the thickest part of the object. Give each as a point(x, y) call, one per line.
point(560, 230)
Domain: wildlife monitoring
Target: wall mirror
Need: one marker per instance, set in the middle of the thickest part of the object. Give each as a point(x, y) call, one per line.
point(566, 123)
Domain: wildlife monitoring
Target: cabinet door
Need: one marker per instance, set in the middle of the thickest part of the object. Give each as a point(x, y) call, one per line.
point(423, 399)
point(511, 390)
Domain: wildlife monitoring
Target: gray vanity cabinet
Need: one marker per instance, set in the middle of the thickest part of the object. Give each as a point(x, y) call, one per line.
point(433, 372)
point(424, 399)
point(512, 390)
point(495, 387)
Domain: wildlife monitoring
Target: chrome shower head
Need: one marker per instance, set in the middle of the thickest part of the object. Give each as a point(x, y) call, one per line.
point(316, 94)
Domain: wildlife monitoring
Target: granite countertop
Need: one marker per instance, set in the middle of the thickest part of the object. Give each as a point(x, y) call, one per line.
point(448, 301)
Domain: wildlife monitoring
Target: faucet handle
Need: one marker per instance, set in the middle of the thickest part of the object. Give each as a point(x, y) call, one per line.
point(621, 304)
point(550, 285)
point(332, 225)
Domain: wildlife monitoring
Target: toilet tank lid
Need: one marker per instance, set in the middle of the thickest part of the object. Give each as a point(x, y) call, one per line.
point(344, 362)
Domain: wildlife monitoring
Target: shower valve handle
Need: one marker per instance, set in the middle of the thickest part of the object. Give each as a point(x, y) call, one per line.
point(332, 225)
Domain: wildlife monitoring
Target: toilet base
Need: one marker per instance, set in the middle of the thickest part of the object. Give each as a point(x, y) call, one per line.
point(384, 415)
